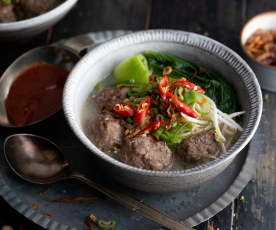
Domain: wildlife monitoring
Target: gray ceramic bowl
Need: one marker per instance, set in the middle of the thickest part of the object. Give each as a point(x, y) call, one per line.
point(28, 28)
point(266, 74)
point(100, 62)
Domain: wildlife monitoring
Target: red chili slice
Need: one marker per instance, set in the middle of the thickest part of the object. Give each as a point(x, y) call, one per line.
point(190, 86)
point(151, 128)
point(163, 87)
point(123, 110)
point(180, 106)
point(142, 110)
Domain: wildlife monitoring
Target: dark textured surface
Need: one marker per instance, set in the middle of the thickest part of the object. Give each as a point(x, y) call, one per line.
point(221, 20)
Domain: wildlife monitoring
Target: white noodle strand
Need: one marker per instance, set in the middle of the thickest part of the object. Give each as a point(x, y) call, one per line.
point(229, 119)
point(193, 120)
point(214, 116)
point(236, 114)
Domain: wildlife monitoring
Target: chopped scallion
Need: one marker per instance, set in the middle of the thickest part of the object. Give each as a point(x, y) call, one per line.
point(129, 120)
point(174, 124)
point(159, 117)
point(98, 85)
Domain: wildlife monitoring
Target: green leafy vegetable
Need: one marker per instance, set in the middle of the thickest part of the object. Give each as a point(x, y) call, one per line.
point(158, 61)
point(218, 90)
point(134, 69)
point(215, 87)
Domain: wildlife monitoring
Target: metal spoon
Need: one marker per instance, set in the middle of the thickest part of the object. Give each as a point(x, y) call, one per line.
point(38, 160)
point(65, 55)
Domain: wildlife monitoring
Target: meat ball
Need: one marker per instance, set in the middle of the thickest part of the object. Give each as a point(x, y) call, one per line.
point(33, 8)
point(107, 132)
point(109, 97)
point(7, 14)
point(146, 152)
point(199, 148)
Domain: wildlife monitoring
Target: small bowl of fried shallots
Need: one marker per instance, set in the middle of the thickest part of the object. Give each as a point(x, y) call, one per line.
point(258, 40)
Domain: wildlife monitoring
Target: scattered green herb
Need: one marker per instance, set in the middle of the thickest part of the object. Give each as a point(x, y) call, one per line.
point(174, 124)
point(129, 120)
point(141, 91)
point(155, 110)
point(190, 98)
point(160, 117)
point(175, 135)
point(106, 224)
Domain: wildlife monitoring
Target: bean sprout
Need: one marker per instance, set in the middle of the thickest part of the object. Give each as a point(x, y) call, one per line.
point(214, 117)
point(236, 114)
point(225, 117)
point(194, 120)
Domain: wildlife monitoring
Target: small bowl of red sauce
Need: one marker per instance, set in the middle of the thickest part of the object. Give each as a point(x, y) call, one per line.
point(35, 94)
point(258, 40)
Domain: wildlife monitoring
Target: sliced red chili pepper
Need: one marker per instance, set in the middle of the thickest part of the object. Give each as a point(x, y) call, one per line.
point(163, 87)
point(123, 110)
point(180, 106)
point(151, 128)
point(142, 110)
point(190, 86)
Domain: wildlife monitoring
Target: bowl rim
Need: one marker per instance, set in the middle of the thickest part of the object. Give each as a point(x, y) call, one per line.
point(30, 22)
point(186, 38)
point(241, 35)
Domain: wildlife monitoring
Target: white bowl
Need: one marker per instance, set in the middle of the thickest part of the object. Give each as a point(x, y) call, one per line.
point(266, 74)
point(28, 28)
point(203, 51)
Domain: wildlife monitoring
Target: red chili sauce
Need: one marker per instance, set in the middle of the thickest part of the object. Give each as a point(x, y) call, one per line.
point(35, 94)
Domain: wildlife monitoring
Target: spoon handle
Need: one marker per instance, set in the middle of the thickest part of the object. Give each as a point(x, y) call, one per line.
point(134, 205)
point(79, 43)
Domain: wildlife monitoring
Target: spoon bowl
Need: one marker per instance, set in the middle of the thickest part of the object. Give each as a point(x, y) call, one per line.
point(54, 54)
point(65, 55)
point(38, 160)
point(35, 159)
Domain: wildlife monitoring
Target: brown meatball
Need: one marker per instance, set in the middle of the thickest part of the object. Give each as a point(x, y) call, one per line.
point(199, 148)
point(33, 8)
point(107, 132)
point(111, 96)
point(7, 14)
point(145, 152)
